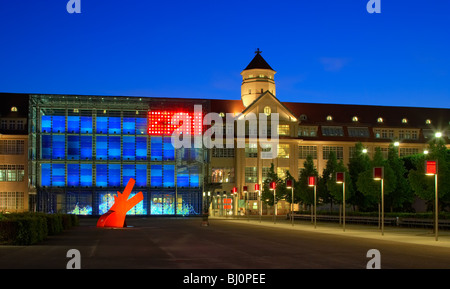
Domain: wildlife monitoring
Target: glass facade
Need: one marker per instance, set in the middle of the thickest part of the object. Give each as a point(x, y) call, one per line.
point(86, 149)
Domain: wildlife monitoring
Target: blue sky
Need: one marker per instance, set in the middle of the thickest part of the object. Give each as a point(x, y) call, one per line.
point(323, 51)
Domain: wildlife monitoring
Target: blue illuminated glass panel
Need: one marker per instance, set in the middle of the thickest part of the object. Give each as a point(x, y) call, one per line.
point(156, 175)
point(141, 175)
point(86, 124)
point(102, 148)
point(141, 148)
point(156, 148)
point(46, 123)
point(114, 125)
point(182, 176)
point(141, 126)
point(73, 124)
point(129, 149)
point(114, 148)
point(102, 124)
point(128, 172)
point(169, 176)
point(86, 175)
point(59, 147)
point(102, 175)
point(86, 147)
point(114, 175)
point(73, 175)
point(45, 175)
point(59, 124)
point(129, 125)
point(194, 176)
point(169, 150)
point(58, 175)
point(73, 147)
point(46, 147)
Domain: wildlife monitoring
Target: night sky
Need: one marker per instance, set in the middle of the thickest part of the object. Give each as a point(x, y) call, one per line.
point(324, 51)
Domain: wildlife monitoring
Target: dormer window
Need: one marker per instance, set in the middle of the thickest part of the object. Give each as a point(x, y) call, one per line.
point(404, 120)
point(14, 109)
point(428, 121)
point(380, 120)
point(267, 110)
point(329, 118)
point(355, 119)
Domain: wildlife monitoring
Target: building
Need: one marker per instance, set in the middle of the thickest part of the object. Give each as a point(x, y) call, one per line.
point(83, 149)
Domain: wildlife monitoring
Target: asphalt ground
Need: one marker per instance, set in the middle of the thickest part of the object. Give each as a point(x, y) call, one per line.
point(186, 243)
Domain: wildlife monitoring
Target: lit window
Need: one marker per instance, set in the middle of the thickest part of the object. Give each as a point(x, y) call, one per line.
point(404, 120)
point(283, 129)
point(380, 120)
point(221, 114)
point(14, 109)
point(428, 121)
point(267, 110)
point(283, 151)
point(75, 110)
point(355, 118)
point(329, 118)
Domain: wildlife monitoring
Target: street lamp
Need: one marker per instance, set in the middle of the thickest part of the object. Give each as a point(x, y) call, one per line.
point(438, 134)
point(258, 189)
point(431, 168)
point(312, 182)
point(378, 175)
point(290, 185)
point(234, 193)
point(246, 202)
point(273, 187)
point(340, 179)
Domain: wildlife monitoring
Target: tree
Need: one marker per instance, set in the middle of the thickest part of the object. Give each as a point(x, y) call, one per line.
point(267, 195)
point(371, 188)
point(335, 189)
point(329, 171)
point(424, 186)
point(359, 162)
point(306, 193)
point(402, 196)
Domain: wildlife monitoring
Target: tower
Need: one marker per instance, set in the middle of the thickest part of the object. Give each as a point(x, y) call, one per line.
point(257, 78)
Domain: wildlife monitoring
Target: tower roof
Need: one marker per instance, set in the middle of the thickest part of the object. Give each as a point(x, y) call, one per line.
point(258, 62)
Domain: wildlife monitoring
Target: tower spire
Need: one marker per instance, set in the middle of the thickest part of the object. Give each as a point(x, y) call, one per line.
point(258, 51)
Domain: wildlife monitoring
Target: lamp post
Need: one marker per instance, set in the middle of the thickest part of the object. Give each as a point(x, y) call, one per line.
point(234, 193)
point(290, 185)
point(340, 179)
point(312, 182)
point(258, 189)
point(246, 202)
point(378, 175)
point(431, 168)
point(273, 187)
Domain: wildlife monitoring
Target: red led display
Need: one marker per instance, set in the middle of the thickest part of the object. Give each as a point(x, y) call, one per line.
point(160, 122)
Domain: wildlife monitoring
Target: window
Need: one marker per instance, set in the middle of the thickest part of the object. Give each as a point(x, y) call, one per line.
point(251, 150)
point(408, 151)
point(428, 121)
point(251, 175)
point(358, 132)
point(332, 131)
point(222, 175)
point(338, 150)
point(12, 147)
point(305, 151)
point(267, 110)
point(12, 173)
point(329, 118)
point(355, 119)
point(380, 120)
point(14, 109)
point(11, 201)
point(283, 151)
point(222, 152)
point(405, 120)
point(283, 129)
point(307, 131)
point(265, 173)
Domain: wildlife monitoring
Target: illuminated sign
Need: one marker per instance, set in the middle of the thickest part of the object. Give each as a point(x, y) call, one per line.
point(430, 167)
point(378, 173)
point(227, 204)
point(166, 122)
point(311, 181)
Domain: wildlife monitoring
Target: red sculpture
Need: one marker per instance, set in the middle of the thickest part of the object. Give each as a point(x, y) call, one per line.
point(115, 217)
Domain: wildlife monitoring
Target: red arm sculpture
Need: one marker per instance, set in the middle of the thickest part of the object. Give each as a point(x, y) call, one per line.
point(115, 217)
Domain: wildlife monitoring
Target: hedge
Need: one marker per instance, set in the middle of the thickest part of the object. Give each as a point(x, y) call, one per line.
point(32, 228)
